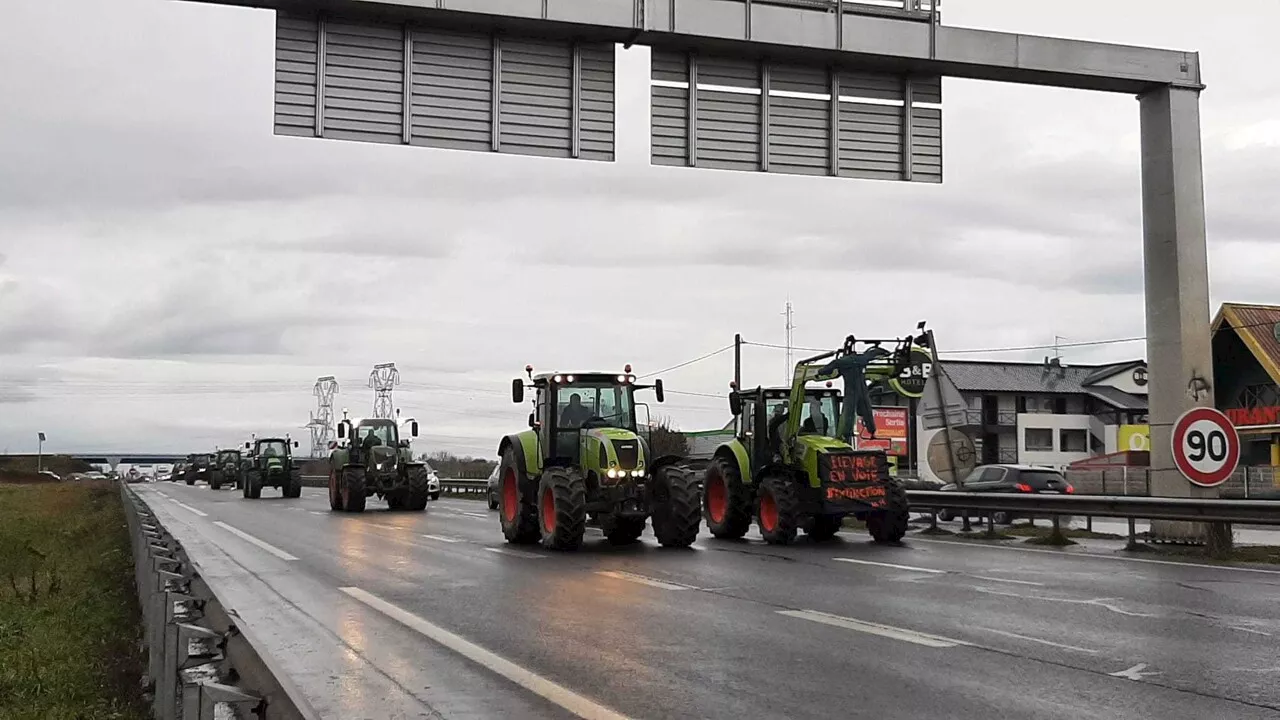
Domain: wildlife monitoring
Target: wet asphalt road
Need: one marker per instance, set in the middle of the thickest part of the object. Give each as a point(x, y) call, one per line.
point(738, 630)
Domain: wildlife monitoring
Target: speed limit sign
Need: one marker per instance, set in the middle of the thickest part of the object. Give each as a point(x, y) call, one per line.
point(1206, 447)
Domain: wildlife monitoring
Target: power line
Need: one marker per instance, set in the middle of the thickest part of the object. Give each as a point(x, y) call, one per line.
point(689, 362)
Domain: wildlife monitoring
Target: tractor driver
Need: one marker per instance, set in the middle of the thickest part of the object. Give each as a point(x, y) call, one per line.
point(575, 413)
point(816, 423)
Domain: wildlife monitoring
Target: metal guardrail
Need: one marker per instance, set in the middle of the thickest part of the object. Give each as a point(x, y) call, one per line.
point(201, 664)
point(1252, 512)
point(459, 486)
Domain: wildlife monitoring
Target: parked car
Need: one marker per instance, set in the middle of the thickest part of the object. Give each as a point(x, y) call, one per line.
point(492, 493)
point(433, 483)
point(1008, 479)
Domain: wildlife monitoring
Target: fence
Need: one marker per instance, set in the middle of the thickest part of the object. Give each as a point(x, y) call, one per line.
point(201, 664)
point(1246, 483)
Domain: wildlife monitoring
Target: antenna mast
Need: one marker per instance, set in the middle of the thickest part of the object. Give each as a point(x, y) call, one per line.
point(791, 326)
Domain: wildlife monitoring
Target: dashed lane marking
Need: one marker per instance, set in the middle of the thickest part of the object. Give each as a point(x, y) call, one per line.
point(514, 553)
point(579, 705)
point(912, 568)
point(651, 582)
point(1007, 580)
point(887, 631)
point(1028, 638)
point(260, 543)
point(443, 538)
point(188, 508)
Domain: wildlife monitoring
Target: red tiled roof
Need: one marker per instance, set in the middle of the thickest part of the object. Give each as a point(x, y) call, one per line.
point(1258, 327)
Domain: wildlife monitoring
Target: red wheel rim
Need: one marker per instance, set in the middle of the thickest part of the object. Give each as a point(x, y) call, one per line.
point(717, 498)
point(549, 511)
point(768, 512)
point(510, 498)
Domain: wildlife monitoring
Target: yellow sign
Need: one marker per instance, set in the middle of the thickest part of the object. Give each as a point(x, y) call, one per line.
point(1133, 437)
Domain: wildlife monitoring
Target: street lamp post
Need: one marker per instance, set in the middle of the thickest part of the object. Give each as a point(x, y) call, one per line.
point(40, 455)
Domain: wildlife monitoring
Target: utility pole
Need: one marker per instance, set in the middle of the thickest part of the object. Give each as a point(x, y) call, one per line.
point(383, 380)
point(321, 424)
point(40, 454)
point(790, 353)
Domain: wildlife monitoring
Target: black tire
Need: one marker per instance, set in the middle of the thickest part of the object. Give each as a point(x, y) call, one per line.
point(415, 498)
point(253, 485)
point(825, 527)
point(191, 480)
point(293, 486)
point(777, 509)
point(517, 500)
point(335, 495)
point(396, 499)
point(351, 486)
point(946, 515)
point(625, 530)
point(562, 508)
point(677, 509)
point(890, 524)
point(435, 496)
point(726, 501)
point(493, 501)
point(215, 481)
point(1002, 518)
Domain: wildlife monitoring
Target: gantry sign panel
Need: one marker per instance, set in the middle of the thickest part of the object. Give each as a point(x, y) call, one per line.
point(736, 113)
point(401, 83)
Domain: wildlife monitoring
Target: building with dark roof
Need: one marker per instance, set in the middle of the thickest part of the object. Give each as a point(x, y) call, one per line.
point(1246, 377)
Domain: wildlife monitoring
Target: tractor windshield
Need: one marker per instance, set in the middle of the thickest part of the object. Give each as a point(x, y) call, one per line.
point(385, 433)
point(818, 416)
point(578, 403)
point(273, 448)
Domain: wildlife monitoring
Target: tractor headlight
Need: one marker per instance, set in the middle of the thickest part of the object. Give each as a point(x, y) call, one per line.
point(613, 472)
point(637, 473)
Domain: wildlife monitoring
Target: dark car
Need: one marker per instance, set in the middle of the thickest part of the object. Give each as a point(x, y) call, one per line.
point(1009, 479)
point(492, 492)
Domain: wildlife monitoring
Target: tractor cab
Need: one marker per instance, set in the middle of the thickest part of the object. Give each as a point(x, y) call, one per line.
point(762, 413)
point(587, 418)
point(365, 435)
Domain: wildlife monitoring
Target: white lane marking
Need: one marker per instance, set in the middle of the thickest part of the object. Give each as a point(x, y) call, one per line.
point(317, 512)
point(1028, 638)
point(475, 515)
point(442, 538)
point(260, 543)
point(1133, 673)
point(1100, 602)
point(161, 494)
point(1007, 580)
point(514, 553)
point(643, 580)
point(188, 508)
point(888, 631)
point(577, 704)
point(1250, 630)
point(912, 568)
point(1092, 556)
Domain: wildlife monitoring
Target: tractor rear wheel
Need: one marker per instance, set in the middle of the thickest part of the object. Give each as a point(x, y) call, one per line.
point(625, 530)
point(776, 514)
point(890, 524)
point(418, 492)
point(825, 527)
point(726, 501)
point(292, 486)
point(517, 503)
point(352, 489)
point(562, 508)
point(335, 495)
point(676, 513)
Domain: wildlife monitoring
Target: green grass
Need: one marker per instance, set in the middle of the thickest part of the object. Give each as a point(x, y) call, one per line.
point(69, 619)
point(1261, 554)
point(1043, 531)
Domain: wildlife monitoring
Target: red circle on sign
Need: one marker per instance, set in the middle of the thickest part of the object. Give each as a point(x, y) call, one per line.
point(1219, 471)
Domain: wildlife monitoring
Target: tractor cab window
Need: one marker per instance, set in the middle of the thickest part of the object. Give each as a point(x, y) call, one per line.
point(608, 405)
point(272, 448)
point(384, 434)
point(818, 416)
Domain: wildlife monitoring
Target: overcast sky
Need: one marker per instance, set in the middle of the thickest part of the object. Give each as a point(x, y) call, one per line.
point(173, 276)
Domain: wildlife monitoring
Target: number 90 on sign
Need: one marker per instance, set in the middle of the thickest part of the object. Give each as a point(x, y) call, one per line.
point(1205, 446)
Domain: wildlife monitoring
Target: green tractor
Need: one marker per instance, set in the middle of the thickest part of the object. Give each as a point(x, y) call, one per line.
point(793, 465)
point(198, 466)
point(270, 464)
point(583, 456)
point(225, 469)
point(374, 460)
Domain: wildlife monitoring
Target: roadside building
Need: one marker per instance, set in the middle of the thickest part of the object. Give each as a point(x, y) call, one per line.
point(1246, 377)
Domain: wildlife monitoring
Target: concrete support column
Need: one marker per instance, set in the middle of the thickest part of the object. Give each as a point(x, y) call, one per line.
point(1179, 353)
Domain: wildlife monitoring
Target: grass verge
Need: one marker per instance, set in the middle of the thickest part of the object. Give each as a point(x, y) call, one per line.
point(1259, 554)
point(69, 619)
point(1043, 531)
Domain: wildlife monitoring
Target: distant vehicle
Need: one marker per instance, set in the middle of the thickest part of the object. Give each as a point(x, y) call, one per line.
point(492, 493)
point(433, 482)
point(51, 475)
point(1009, 479)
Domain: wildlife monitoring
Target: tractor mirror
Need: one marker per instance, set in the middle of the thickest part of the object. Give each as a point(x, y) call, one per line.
point(735, 403)
point(517, 391)
point(295, 443)
point(342, 431)
point(533, 422)
point(247, 446)
point(413, 428)
point(657, 390)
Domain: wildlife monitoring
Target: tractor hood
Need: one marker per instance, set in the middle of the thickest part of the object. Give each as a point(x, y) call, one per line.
point(811, 448)
point(382, 457)
point(613, 450)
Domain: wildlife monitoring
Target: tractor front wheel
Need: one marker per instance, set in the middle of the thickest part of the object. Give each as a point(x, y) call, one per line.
point(215, 481)
point(776, 514)
point(825, 527)
point(418, 493)
point(335, 494)
point(726, 501)
point(253, 485)
point(676, 512)
point(352, 488)
point(562, 509)
point(517, 506)
point(625, 530)
point(890, 524)
point(292, 486)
